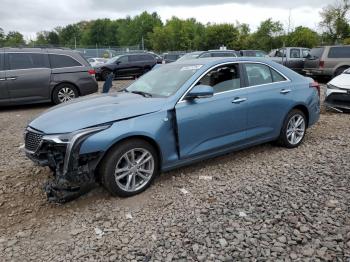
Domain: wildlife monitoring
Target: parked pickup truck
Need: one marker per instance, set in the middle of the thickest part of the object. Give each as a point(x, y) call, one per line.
point(292, 57)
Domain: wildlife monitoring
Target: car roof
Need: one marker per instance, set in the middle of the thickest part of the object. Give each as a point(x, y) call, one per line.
point(41, 50)
point(217, 60)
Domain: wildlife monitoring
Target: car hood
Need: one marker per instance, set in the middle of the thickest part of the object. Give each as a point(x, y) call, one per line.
point(94, 110)
point(341, 81)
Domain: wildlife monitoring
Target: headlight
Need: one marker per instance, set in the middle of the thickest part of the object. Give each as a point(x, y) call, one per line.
point(330, 86)
point(73, 141)
point(71, 137)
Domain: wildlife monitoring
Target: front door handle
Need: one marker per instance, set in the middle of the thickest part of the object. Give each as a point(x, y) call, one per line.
point(285, 91)
point(238, 100)
point(11, 78)
point(2, 79)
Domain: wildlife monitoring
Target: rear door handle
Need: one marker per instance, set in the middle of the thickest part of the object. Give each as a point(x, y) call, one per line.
point(2, 79)
point(285, 91)
point(238, 100)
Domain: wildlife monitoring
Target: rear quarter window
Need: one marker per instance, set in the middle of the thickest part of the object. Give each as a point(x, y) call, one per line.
point(61, 61)
point(339, 52)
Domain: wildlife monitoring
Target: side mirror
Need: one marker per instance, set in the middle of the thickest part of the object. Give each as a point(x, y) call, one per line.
point(200, 91)
point(117, 62)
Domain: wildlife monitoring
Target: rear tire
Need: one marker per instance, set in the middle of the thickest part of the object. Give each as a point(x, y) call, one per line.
point(293, 129)
point(64, 93)
point(340, 70)
point(129, 168)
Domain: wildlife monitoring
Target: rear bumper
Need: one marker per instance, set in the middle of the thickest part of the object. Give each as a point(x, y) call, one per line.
point(88, 87)
point(317, 72)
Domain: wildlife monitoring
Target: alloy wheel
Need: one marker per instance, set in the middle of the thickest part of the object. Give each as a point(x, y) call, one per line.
point(65, 94)
point(134, 169)
point(295, 129)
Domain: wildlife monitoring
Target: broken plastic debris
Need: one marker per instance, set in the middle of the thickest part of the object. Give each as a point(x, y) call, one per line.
point(184, 191)
point(206, 178)
point(99, 232)
point(128, 215)
point(242, 214)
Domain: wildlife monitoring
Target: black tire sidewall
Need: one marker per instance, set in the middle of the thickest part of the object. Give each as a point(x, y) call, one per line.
point(58, 88)
point(339, 71)
point(104, 74)
point(111, 159)
point(283, 141)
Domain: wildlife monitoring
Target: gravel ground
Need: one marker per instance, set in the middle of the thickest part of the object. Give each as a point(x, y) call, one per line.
point(262, 203)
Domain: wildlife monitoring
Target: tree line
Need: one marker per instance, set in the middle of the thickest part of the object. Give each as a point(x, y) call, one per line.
point(148, 30)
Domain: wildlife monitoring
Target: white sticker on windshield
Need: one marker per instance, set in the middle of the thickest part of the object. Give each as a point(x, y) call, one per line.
point(194, 67)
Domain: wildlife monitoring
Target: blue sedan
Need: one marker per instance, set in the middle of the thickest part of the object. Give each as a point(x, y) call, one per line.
point(173, 116)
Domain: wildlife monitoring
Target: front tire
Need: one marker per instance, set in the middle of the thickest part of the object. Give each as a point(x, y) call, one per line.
point(64, 93)
point(129, 168)
point(293, 129)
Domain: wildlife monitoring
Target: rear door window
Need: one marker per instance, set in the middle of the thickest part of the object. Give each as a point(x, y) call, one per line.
point(61, 61)
point(339, 52)
point(258, 74)
point(295, 53)
point(27, 61)
point(135, 58)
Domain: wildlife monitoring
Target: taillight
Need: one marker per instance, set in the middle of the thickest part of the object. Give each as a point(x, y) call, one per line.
point(92, 72)
point(316, 85)
point(321, 64)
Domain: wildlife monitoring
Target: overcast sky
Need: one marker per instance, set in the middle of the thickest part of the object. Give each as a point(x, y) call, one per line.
point(32, 16)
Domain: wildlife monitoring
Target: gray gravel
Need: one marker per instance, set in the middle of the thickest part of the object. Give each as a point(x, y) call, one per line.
point(262, 203)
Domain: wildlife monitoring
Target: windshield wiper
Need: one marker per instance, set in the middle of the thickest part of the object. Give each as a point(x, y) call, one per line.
point(145, 94)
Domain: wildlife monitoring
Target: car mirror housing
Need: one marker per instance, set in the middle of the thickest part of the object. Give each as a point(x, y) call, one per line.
point(200, 91)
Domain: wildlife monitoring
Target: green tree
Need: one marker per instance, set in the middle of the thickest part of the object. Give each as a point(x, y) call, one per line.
point(102, 32)
point(141, 26)
point(2, 36)
point(335, 22)
point(70, 35)
point(178, 34)
point(14, 38)
point(303, 36)
point(217, 35)
point(267, 36)
point(243, 37)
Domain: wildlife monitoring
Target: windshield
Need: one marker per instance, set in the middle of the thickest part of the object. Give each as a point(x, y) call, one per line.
point(190, 56)
point(113, 59)
point(165, 80)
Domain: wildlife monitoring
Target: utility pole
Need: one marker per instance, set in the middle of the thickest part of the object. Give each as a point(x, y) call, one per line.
point(142, 44)
point(75, 42)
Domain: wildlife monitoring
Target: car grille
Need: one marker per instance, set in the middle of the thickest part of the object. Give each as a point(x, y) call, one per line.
point(32, 140)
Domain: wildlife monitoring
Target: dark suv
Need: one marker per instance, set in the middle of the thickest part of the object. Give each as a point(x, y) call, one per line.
point(32, 75)
point(126, 65)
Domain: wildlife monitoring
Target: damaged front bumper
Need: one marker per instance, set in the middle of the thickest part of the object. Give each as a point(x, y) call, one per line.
point(337, 99)
point(74, 173)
